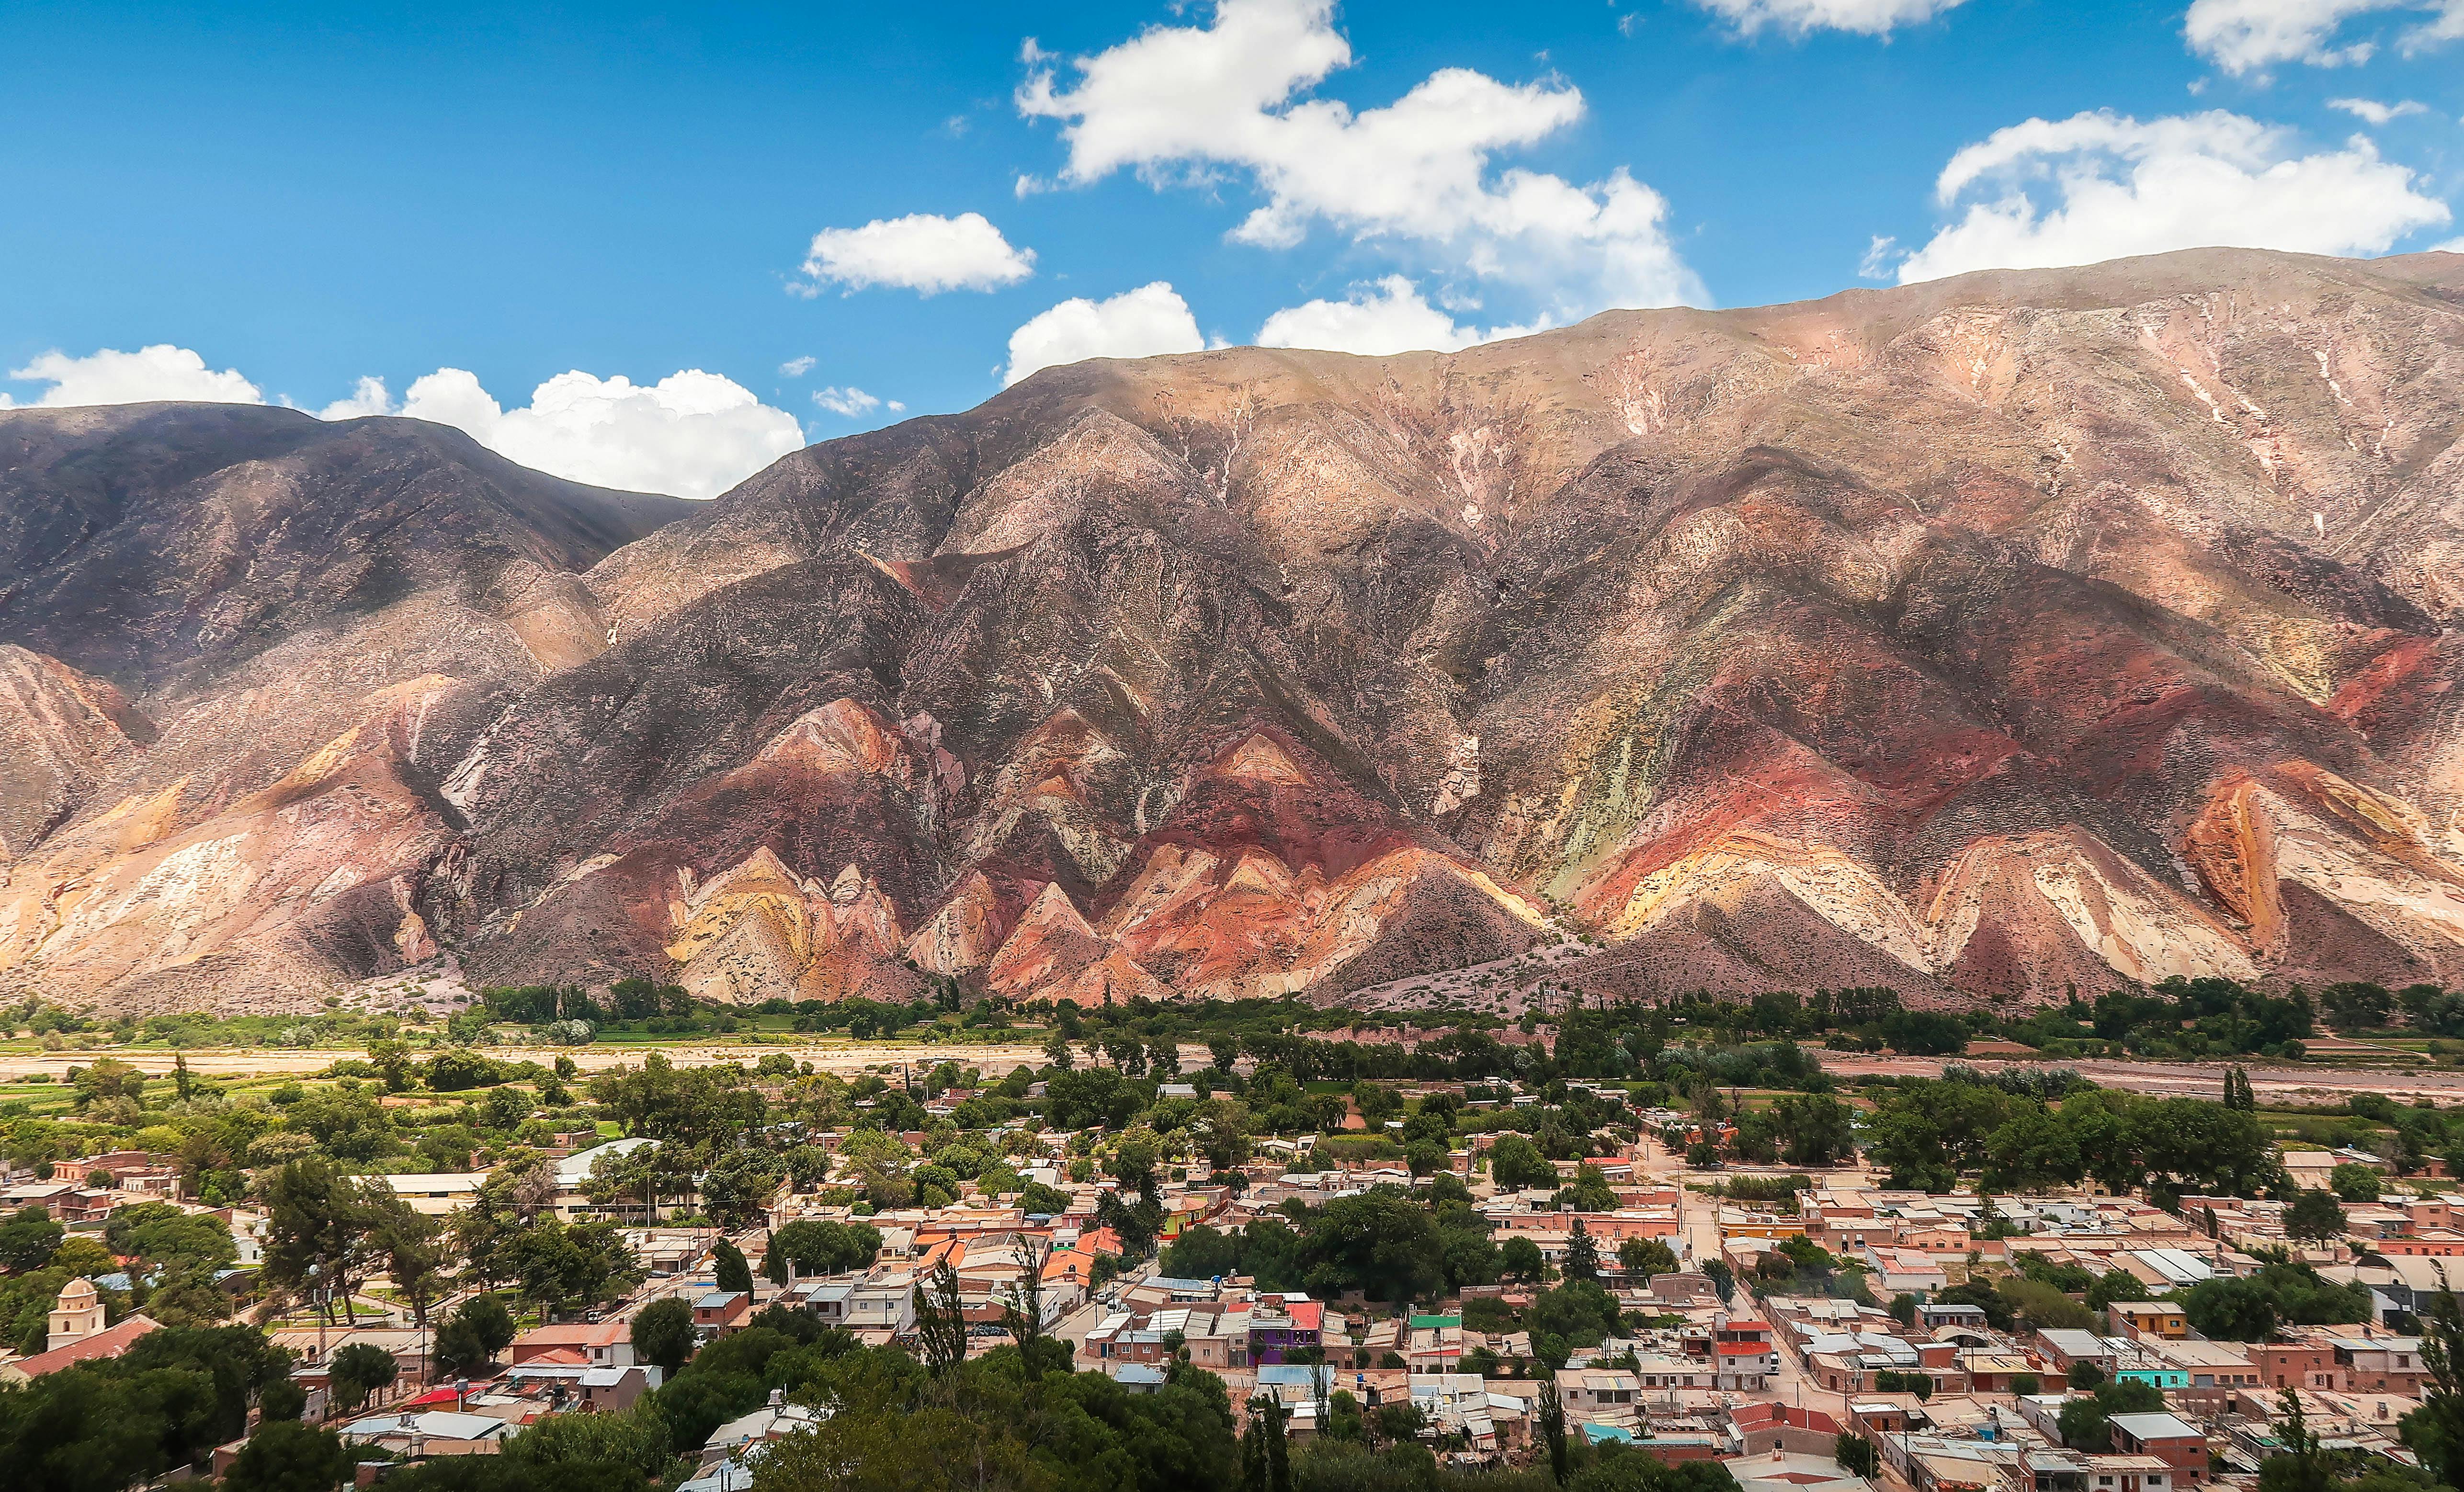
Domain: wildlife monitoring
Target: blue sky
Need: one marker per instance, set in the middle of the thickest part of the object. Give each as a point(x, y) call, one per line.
point(301, 198)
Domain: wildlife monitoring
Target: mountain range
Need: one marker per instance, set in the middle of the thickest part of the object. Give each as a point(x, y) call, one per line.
point(1986, 638)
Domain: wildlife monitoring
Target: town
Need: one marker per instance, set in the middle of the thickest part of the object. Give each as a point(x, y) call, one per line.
point(1724, 1264)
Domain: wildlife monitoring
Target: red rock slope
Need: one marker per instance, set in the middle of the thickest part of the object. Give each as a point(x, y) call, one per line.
point(1989, 636)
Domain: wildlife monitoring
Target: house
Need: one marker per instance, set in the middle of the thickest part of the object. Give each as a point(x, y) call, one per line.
point(1276, 1331)
point(573, 1178)
point(1995, 1372)
point(720, 1312)
point(2216, 1370)
point(2295, 1365)
point(582, 1345)
point(1744, 1354)
point(2064, 1346)
point(733, 1442)
point(414, 1435)
point(2375, 1364)
point(2149, 1319)
point(1765, 1426)
point(435, 1194)
point(1898, 1271)
point(1598, 1396)
point(883, 1305)
point(1784, 1471)
point(2182, 1447)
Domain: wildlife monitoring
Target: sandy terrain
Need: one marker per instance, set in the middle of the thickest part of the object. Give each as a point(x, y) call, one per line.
point(833, 1057)
point(2303, 1085)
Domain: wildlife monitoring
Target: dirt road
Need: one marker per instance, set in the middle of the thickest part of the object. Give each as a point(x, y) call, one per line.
point(839, 1057)
point(2290, 1085)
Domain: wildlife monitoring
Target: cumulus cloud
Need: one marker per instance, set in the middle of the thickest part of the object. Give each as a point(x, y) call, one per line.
point(691, 434)
point(2369, 110)
point(851, 401)
point(795, 367)
point(1186, 105)
point(367, 398)
point(110, 376)
point(1389, 316)
point(1135, 323)
point(922, 252)
point(1800, 17)
point(2102, 186)
point(2241, 35)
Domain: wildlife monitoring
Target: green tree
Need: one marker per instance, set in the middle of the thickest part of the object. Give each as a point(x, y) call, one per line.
point(1381, 1244)
point(2114, 1285)
point(358, 1370)
point(1582, 1254)
point(2314, 1217)
point(2435, 1431)
point(731, 1272)
point(393, 1062)
point(1813, 1129)
point(1550, 1417)
point(1627, 1469)
point(1520, 1257)
point(1857, 1455)
point(317, 1241)
point(1515, 1164)
point(2087, 1423)
point(457, 1351)
point(2299, 1464)
point(286, 1456)
point(1590, 1191)
point(1643, 1258)
point(28, 1239)
point(2231, 1311)
point(489, 1321)
point(663, 1333)
point(2353, 1182)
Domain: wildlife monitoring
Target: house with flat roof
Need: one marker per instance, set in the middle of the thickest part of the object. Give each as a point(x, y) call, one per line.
point(2181, 1446)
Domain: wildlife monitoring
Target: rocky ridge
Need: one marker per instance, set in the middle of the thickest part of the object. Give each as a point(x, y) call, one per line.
point(1985, 637)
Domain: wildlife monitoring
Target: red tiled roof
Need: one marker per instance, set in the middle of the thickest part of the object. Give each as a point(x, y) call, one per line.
point(579, 1335)
point(108, 1343)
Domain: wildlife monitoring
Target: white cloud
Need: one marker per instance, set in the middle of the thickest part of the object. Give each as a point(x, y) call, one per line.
point(692, 434)
point(1799, 17)
point(109, 377)
point(923, 253)
point(368, 397)
point(795, 367)
point(851, 401)
point(1135, 323)
point(1185, 105)
point(2240, 35)
point(1389, 316)
point(2369, 110)
point(1879, 255)
point(2104, 185)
